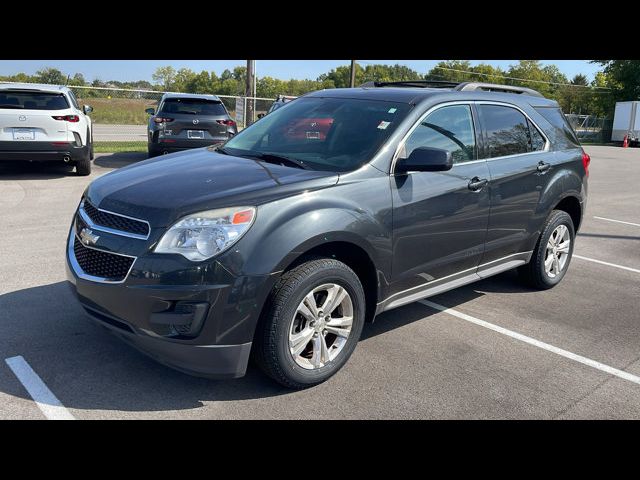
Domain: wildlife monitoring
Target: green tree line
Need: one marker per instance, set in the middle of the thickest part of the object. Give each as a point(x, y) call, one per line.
point(618, 80)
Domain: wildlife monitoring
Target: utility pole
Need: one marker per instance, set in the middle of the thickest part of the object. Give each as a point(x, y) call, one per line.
point(352, 83)
point(250, 91)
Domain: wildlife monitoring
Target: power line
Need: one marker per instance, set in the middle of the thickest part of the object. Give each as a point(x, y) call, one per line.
point(508, 78)
point(516, 78)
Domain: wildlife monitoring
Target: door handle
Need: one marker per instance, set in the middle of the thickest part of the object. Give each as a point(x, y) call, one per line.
point(476, 183)
point(543, 166)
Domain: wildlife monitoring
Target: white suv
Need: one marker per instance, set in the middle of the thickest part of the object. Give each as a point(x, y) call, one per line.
point(44, 123)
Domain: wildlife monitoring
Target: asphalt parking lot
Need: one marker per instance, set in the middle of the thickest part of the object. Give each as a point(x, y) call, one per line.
point(493, 349)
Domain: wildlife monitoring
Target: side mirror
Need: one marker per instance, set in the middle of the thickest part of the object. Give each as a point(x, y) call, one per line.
point(87, 109)
point(150, 111)
point(260, 115)
point(425, 159)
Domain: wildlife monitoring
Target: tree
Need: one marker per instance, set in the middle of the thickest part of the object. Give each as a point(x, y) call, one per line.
point(164, 76)
point(623, 77)
point(77, 80)
point(181, 80)
point(51, 75)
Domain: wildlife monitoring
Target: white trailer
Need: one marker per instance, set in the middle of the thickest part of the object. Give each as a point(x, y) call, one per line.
point(626, 121)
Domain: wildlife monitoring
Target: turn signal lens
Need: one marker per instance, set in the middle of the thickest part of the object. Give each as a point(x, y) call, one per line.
point(242, 217)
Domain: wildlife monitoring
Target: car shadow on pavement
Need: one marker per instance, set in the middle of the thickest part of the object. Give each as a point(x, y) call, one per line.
point(118, 160)
point(35, 170)
point(88, 368)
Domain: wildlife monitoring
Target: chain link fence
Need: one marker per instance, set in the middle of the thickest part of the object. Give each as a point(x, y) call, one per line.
point(120, 121)
point(591, 129)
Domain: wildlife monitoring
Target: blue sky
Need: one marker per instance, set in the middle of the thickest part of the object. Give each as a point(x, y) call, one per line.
point(128, 70)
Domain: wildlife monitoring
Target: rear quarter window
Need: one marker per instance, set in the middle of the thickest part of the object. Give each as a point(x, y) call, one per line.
point(561, 134)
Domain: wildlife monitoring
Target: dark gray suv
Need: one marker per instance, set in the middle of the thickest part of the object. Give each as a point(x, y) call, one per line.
point(185, 121)
point(281, 243)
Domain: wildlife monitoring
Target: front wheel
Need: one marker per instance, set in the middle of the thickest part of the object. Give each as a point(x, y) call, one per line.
point(311, 324)
point(552, 255)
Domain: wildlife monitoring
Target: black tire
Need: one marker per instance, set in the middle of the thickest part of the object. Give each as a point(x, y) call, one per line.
point(83, 166)
point(271, 344)
point(533, 273)
point(152, 152)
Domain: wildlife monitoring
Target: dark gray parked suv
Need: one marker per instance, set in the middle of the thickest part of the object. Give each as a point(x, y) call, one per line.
point(185, 121)
point(281, 243)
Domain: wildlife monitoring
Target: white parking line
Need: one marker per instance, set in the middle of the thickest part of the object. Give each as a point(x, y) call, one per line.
point(618, 221)
point(606, 263)
point(536, 343)
point(46, 401)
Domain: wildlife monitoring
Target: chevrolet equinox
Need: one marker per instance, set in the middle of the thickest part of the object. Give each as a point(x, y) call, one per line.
point(282, 242)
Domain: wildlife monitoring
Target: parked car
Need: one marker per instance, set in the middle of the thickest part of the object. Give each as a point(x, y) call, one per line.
point(185, 121)
point(281, 248)
point(278, 102)
point(44, 123)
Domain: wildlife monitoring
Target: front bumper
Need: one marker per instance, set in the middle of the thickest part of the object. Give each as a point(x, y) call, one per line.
point(41, 152)
point(141, 309)
point(209, 361)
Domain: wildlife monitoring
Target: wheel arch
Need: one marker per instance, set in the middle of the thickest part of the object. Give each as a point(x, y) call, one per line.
point(571, 205)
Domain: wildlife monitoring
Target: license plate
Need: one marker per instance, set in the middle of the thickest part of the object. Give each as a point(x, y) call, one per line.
point(23, 134)
point(196, 134)
point(314, 135)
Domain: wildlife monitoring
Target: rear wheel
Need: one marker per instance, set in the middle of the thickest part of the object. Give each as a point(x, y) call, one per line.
point(152, 152)
point(83, 166)
point(311, 323)
point(552, 255)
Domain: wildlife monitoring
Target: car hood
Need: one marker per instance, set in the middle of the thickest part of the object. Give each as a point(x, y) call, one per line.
point(164, 189)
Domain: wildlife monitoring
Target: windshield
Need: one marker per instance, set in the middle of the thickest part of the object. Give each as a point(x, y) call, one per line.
point(193, 106)
point(30, 100)
point(333, 134)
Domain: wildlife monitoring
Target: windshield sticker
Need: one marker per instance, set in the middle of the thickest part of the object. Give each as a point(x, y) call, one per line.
point(392, 110)
point(382, 125)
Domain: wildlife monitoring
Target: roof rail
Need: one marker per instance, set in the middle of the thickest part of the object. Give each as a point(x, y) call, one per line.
point(494, 87)
point(413, 83)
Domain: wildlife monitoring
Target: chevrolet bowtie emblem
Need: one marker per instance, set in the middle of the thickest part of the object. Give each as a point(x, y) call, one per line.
point(88, 237)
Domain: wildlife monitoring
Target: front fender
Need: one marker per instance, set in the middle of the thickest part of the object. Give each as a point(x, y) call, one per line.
point(353, 211)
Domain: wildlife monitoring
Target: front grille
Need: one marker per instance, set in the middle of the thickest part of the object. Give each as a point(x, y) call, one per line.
point(98, 263)
point(114, 221)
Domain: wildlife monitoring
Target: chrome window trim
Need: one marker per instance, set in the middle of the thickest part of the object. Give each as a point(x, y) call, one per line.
point(402, 142)
point(85, 276)
point(95, 226)
point(476, 268)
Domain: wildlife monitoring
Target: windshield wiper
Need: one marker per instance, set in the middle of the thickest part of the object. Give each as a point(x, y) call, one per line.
point(279, 159)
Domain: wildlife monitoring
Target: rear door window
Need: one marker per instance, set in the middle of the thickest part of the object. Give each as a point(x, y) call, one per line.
point(507, 130)
point(193, 106)
point(25, 100)
point(537, 140)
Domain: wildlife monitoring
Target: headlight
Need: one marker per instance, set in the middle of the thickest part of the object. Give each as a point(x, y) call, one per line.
point(204, 234)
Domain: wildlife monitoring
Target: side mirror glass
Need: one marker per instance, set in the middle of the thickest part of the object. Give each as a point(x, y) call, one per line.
point(87, 109)
point(150, 111)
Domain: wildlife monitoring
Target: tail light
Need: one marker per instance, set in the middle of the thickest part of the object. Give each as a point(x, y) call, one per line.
point(67, 118)
point(228, 123)
point(586, 160)
point(162, 119)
